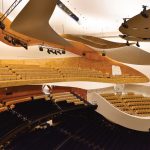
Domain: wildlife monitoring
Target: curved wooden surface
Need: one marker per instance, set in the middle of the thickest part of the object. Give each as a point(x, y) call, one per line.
point(26, 72)
point(138, 27)
point(130, 55)
point(77, 48)
point(82, 50)
point(132, 38)
point(33, 21)
point(74, 47)
point(94, 41)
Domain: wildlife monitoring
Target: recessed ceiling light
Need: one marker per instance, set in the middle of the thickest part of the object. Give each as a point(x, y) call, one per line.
point(134, 28)
point(146, 28)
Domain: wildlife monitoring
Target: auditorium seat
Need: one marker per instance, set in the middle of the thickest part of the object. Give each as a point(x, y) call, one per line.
point(39, 139)
point(19, 100)
point(62, 70)
point(132, 103)
point(79, 131)
point(8, 122)
point(36, 108)
point(67, 100)
point(3, 108)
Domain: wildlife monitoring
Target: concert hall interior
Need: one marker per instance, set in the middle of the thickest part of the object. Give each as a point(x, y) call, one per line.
point(74, 74)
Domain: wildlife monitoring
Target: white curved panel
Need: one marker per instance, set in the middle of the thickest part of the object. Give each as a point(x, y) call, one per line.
point(130, 55)
point(115, 115)
point(33, 21)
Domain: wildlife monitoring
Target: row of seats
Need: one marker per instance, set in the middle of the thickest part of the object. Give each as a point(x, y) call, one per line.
point(30, 72)
point(29, 110)
point(135, 104)
point(6, 74)
point(6, 104)
point(78, 72)
point(36, 108)
point(9, 122)
point(67, 98)
point(62, 70)
point(82, 131)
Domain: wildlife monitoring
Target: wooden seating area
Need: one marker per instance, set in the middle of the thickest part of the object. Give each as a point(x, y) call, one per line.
point(12, 96)
point(36, 100)
point(24, 97)
point(67, 98)
point(84, 69)
point(6, 74)
point(135, 104)
point(27, 72)
point(29, 106)
point(10, 104)
point(80, 72)
point(14, 73)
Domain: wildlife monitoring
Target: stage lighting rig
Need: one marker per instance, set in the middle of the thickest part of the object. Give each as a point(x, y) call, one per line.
point(15, 41)
point(51, 50)
point(7, 38)
point(67, 11)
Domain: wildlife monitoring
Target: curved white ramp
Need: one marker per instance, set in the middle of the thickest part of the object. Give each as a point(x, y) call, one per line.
point(117, 116)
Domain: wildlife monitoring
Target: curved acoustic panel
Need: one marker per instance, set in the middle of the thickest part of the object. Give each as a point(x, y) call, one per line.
point(130, 55)
point(137, 27)
point(33, 21)
point(132, 38)
point(94, 41)
point(73, 46)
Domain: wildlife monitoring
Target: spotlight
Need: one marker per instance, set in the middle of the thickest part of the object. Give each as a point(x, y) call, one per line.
point(137, 44)
point(51, 51)
point(124, 24)
point(83, 54)
point(103, 53)
point(59, 52)
point(127, 43)
point(40, 48)
point(7, 38)
point(24, 45)
point(63, 52)
point(67, 11)
point(17, 41)
point(55, 52)
point(48, 51)
point(13, 41)
point(2, 25)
